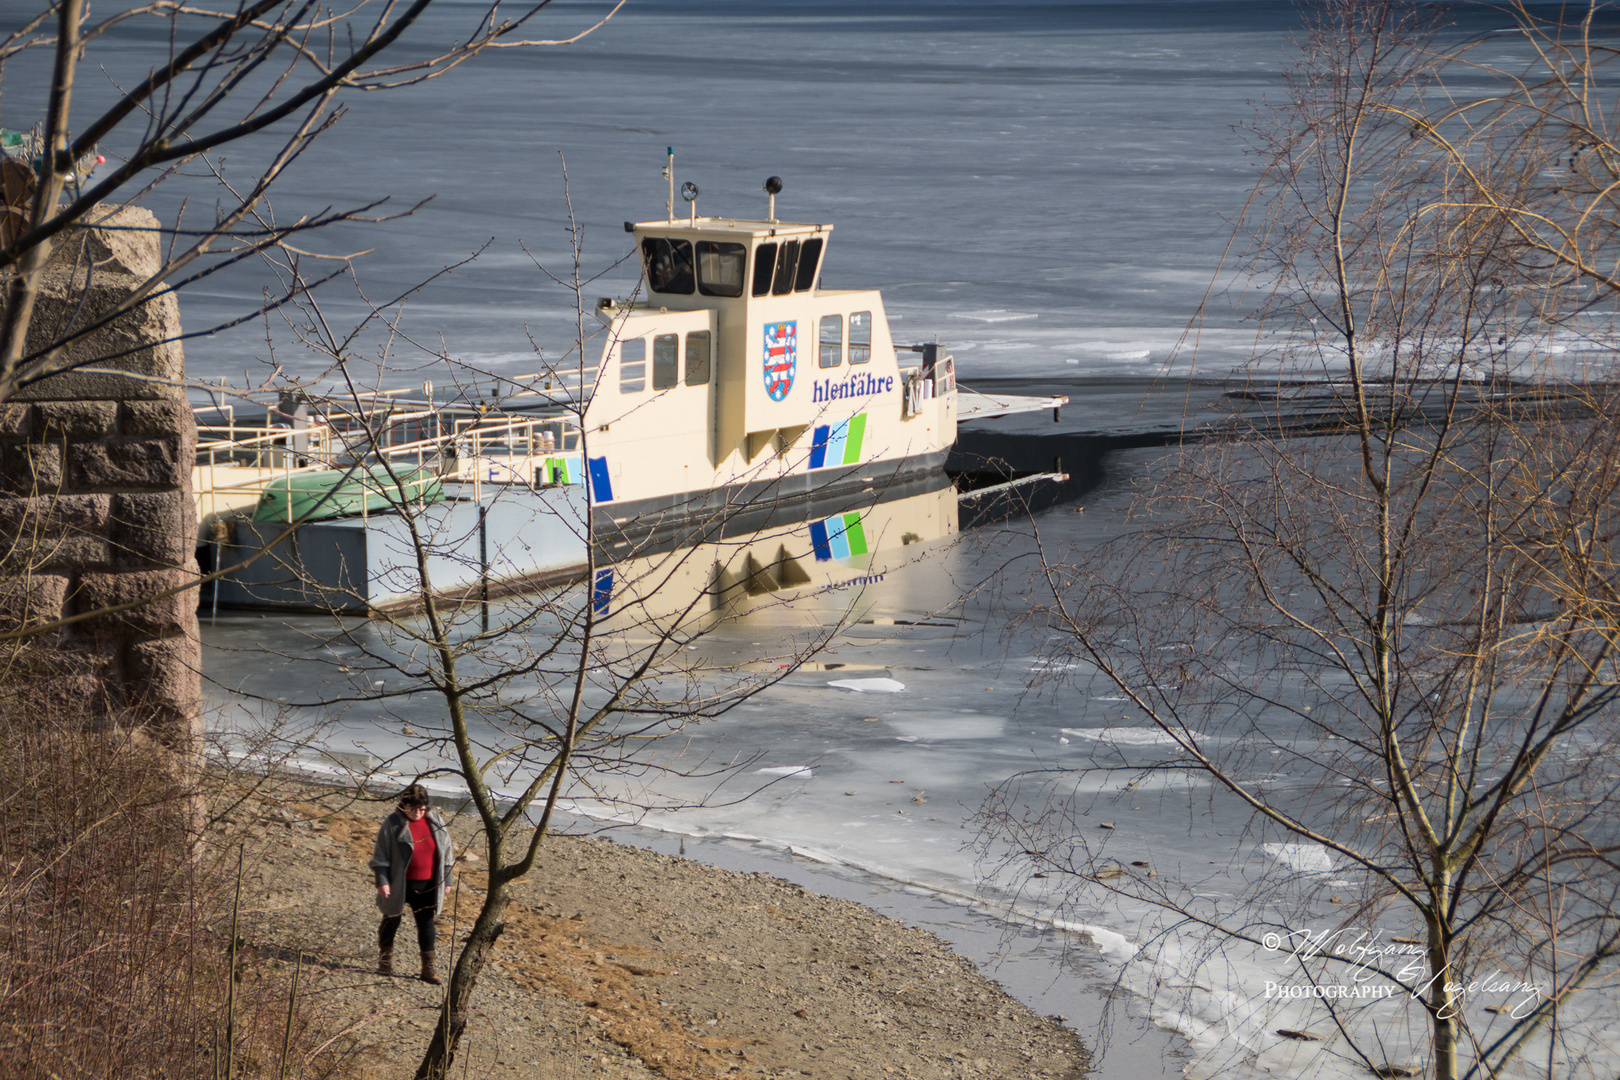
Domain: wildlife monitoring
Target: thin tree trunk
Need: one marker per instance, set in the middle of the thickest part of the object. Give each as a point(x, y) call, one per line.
point(1443, 1003)
point(24, 290)
point(475, 953)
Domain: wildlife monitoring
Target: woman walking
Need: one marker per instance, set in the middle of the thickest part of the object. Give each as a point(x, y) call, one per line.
point(411, 864)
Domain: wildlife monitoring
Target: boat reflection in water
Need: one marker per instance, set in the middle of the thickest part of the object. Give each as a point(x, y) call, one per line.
point(770, 556)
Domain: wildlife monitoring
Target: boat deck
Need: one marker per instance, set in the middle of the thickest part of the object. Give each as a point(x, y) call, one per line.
point(976, 405)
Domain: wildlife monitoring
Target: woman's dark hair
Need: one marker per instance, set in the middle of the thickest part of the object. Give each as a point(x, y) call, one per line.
point(413, 796)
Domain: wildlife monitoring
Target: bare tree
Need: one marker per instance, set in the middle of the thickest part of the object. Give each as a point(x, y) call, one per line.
point(275, 71)
point(1376, 624)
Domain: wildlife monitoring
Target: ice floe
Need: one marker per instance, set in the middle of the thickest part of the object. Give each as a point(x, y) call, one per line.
point(869, 686)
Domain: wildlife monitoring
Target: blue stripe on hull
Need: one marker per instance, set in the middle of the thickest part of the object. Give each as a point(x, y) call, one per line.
point(818, 539)
point(601, 486)
point(838, 537)
point(818, 448)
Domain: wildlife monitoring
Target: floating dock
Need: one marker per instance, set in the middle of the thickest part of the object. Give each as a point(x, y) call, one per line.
point(320, 505)
point(510, 498)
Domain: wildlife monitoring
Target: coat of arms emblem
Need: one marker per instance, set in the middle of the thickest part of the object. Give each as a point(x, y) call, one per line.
point(781, 358)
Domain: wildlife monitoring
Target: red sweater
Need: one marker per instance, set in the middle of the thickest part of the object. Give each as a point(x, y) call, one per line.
point(424, 853)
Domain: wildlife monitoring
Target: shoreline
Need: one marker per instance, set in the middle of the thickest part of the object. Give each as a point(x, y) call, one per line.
point(1049, 968)
point(625, 962)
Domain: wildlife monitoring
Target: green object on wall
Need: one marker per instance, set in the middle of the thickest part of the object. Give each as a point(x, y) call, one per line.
point(317, 496)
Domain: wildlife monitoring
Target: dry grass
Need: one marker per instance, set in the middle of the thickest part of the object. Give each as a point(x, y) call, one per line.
point(116, 954)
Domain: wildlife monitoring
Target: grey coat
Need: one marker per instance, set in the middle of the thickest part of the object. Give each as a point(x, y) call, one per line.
point(391, 858)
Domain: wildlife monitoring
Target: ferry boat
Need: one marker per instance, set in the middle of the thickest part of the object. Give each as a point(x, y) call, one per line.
point(730, 388)
point(734, 377)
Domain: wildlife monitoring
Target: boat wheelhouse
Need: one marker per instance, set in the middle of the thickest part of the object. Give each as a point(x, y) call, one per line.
point(734, 376)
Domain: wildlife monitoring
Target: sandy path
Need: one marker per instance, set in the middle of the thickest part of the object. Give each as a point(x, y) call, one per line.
point(619, 962)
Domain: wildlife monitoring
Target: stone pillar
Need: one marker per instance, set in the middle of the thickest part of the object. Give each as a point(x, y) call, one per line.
point(96, 513)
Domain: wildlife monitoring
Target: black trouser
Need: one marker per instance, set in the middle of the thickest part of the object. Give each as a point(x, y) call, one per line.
point(420, 897)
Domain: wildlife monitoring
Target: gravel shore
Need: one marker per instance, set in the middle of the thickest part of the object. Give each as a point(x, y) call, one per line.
point(623, 963)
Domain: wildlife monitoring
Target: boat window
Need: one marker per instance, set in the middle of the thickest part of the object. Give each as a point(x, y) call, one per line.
point(697, 358)
point(809, 257)
point(720, 267)
point(669, 264)
point(666, 361)
point(764, 264)
point(860, 337)
point(633, 366)
point(830, 343)
point(787, 264)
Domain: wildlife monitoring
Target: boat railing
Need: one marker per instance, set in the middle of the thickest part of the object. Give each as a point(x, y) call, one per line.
point(235, 462)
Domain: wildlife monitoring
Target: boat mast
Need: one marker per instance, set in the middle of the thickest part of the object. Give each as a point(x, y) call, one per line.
point(669, 174)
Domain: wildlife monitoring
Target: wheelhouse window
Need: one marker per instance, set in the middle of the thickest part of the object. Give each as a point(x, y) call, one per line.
point(860, 337)
point(764, 266)
point(666, 361)
point(830, 341)
point(633, 366)
point(787, 267)
point(669, 264)
point(809, 259)
point(697, 357)
point(720, 266)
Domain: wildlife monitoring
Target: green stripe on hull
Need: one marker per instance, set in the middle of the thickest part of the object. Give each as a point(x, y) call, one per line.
point(855, 533)
point(852, 441)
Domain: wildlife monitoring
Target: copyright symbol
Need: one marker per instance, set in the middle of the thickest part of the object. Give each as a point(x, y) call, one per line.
point(1272, 942)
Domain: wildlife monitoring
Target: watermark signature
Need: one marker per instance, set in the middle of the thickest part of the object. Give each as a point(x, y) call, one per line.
point(1327, 991)
point(1405, 960)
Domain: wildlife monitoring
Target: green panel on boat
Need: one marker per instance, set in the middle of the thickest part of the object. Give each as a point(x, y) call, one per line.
point(316, 496)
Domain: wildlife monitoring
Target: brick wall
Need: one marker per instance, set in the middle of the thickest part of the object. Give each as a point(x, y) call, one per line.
point(95, 500)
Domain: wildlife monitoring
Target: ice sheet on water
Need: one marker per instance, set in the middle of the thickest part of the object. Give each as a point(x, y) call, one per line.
point(1091, 351)
point(869, 686)
point(1049, 666)
point(1123, 736)
point(787, 770)
point(1116, 947)
point(813, 854)
point(951, 727)
point(994, 315)
point(1305, 858)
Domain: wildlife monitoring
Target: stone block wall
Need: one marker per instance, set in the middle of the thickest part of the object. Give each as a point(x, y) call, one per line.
point(96, 513)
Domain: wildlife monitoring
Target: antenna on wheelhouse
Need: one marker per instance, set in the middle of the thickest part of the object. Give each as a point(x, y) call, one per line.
point(773, 188)
point(669, 174)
